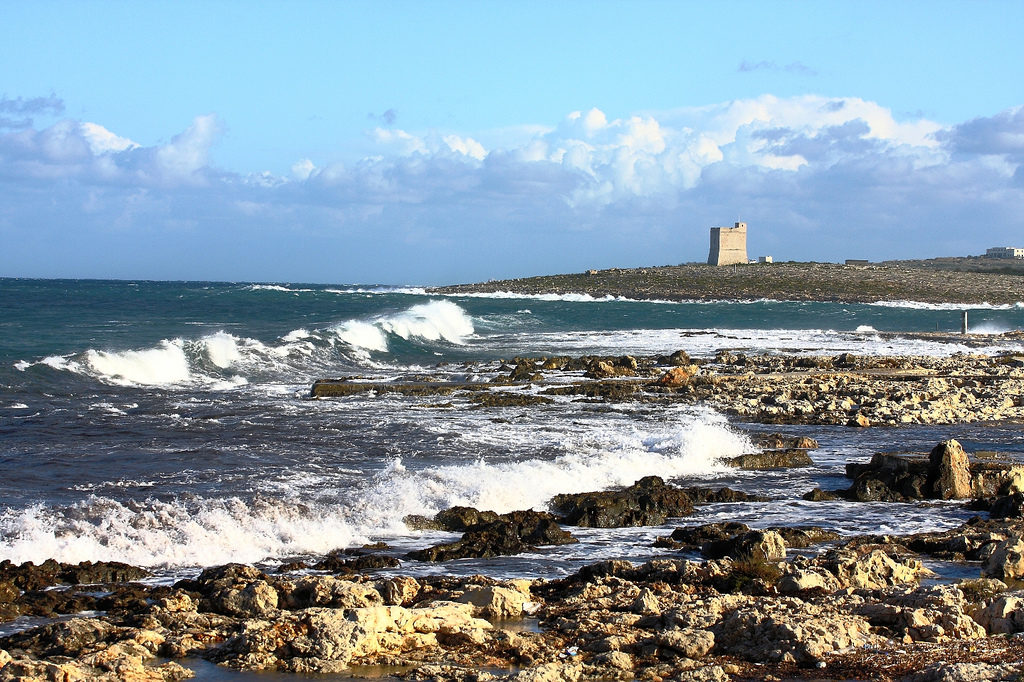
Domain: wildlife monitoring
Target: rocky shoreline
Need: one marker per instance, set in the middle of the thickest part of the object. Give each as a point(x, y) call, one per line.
point(765, 603)
point(913, 281)
point(843, 389)
point(721, 601)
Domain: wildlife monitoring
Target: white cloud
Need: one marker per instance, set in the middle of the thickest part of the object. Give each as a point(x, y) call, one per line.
point(301, 170)
point(188, 152)
point(466, 146)
point(816, 177)
point(102, 141)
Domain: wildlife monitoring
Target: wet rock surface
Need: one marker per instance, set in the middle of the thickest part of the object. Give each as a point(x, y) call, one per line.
point(762, 602)
point(489, 535)
point(844, 389)
point(648, 502)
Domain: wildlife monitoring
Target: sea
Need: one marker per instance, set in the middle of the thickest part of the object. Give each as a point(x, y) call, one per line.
point(169, 425)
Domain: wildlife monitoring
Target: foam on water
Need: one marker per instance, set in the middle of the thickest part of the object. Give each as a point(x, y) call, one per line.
point(156, 533)
point(431, 321)
point(165, 364)
point(706, 342)
point(225, 361)
point(690, 446)
point(200, 531)
point(222, 349)
point(919, 305)
point(363, 335)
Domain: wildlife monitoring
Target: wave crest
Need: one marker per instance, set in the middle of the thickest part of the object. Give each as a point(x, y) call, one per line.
point(195, 531)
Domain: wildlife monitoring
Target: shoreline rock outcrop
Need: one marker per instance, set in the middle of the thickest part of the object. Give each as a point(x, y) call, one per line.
point(773, 389)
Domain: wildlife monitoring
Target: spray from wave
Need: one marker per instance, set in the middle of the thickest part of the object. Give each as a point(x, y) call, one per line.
point(223, 361)
point(191, 531)
point(431, 321)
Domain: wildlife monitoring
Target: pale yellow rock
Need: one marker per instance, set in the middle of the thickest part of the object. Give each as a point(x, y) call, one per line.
point(646, 603)
point(1007, 560)
point(687, 642)
point(495, 602)
point(550, 672)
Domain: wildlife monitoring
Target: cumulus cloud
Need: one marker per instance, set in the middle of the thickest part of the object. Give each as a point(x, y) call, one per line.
point(815, 177)
point(1002, 134)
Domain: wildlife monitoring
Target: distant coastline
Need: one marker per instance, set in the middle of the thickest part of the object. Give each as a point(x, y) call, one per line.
point(967, 281)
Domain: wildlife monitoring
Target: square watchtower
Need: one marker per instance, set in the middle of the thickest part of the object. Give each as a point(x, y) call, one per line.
point(728, 245)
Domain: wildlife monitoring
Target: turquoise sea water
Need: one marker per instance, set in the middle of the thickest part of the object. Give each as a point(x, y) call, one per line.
point(167, 424)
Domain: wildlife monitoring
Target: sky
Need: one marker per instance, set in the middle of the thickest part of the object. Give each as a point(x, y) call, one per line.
point(441, 142)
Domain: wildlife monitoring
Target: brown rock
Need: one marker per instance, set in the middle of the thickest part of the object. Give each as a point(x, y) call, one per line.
point(677, 376)
point(950, 471)
point(859, 421)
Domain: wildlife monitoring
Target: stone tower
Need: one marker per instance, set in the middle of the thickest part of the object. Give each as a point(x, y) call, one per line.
point(728, 245)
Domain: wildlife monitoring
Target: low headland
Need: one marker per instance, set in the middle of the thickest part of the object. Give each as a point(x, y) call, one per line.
point(948, 280)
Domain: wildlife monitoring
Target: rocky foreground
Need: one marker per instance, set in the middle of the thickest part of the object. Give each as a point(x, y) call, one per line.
point(843, 389)
point(943, 281)
point(769, 603)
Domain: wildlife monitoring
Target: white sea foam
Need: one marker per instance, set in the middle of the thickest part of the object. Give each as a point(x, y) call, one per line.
point(919, 305)
point(431, 321)
point(200, 531)
point(222, 349)
point(364, 335)
point(165, 364)
point(689, 447)
point(707, 342)
point(411, 291)
point(276, 287)
point(866, 329)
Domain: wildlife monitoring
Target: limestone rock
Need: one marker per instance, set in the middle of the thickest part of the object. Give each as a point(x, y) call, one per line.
point(399, 591)
point(494, 601)
point(508, 534)
point(771, 459)
point(687, 642)
point(325, 639)
point(873, 569)
point(677, 376)
point(754, 544)
point(966, 672)
point(807, 579)
point(950, 471)
point(1007, 560)
point(780, 441)
point(326, 590)
point(646, 603)
point(789, 631)
point(1003, 615)
point(550, 672)
point(255, 600)
point(617, 660)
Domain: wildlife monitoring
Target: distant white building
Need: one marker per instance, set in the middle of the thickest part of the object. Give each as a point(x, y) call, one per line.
point(765, 259)
point(1004, 252)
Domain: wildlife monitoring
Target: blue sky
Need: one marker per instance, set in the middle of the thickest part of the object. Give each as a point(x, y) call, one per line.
point(429, 142)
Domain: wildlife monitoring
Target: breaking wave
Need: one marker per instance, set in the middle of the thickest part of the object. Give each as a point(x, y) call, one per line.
point(194, 531)
point(223, 361)
point(919, 305)
point(431, 321)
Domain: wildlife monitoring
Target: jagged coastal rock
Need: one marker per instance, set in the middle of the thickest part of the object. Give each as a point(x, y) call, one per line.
point(751, 607)
point(775, 389)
